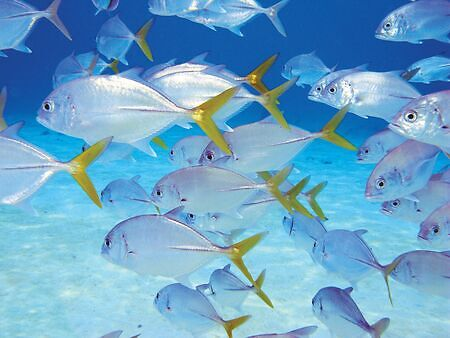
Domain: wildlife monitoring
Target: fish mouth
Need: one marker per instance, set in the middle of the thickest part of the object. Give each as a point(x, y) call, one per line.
point(386, 211)
point(421, 238)
point(395, 127)
point(380, 36)
point(313, 98)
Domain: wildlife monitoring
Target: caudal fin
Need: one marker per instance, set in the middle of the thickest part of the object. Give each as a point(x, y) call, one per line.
point(258, 289)
point(202, 115)
point(386, 271)
point(273, 185)
point(160, 142)
point(79, 164)
point(230, 325)
point(272, 14)
point(52, 15)
point(254, 78)
point(329, 131)
point(270, 99)
point(3, 96)
point(141, 39)
point(114, 66)
point(312, 195)
point(379, 327)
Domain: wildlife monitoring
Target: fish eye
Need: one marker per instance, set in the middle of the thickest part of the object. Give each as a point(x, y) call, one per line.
point(108, 242)
point(410, 116)
point(157, 295)
point(209, 155)
point(318, 89)
point(159, 193)
point(191, 216)
point(48, 106)
point(171, 152)
point(332, 90)
point(387, 25)
point(380, 183)
point(395, 203)
point(436, 229)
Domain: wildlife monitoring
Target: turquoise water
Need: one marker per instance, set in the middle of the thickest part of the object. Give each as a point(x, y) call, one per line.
point(53, 280)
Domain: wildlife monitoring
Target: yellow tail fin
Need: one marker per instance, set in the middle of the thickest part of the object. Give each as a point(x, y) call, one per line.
point(292, 197)
point(254, 78)
point(160, 142)
point(258, 289)
point(238, 250)
point(273, 185)
point(141, 37)
point(329, 131)
point(230, 325)
point(202, 115)
point(80, 163)
point(312, 194)
point(387, 270)
point(270, 100)
point(3, 96)
point(114, 66)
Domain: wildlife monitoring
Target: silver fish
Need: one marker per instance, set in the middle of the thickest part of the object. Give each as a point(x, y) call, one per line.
point(17, 19)
point(338, 311)
point(188, 150)
point(417, 21)
point(435, 230)
point(178, 7)
point(378, 145)
point(307, 68)
point(190, 310)
point(426, 119)
point(105, 5)
point(298, 333)
point(435, 68)
point(403, 171)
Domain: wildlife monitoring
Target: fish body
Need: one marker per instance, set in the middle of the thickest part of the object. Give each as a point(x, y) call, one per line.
point(435, 229)
point(187, 151)
point(174, 7)
point(378, 145)
point(435, 68)
point(298, 333)
point(426, 119)
point(308, 68)
point(335, 308)
point(115, 152)
point(417, 21)
point(403, 171)
point(105, 5)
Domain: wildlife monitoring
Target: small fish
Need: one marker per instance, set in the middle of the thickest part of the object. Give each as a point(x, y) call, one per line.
point(228, 290)
point(306, 68)
point(338, 311)
point(115, 39)
point(374, 94)
point(403, 171)
point(426, 119)
point(378, 145)
point(3, 98)
point(17, 20)
point(298, 333)
point(435, 230)
point(188, 150)
point(190, 310)
point(417, 21)
point(105, 5)
point(435, 68)
point(426, 271)
point(24, 168)
point(264, 146)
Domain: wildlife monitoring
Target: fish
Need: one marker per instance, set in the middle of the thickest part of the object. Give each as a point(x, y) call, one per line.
point(425, 271)
point(203, 189)
point(105, 5)
point(335, 308)
point(17, 19)
point(378, 145)
point(95, 107)
point(178, 7)
point(264, 146)
point(435, 229)
point(190, 310)
point(298, 333)
point(426, 119)
point(417, 21)
point(228, 290)
point(306, 68)
point(187, 151)
point(114, 39)
point(159, 245)
point(115, 152)
point(237, 14)
point(374, 94)
point(126, 197)
point(403, 171)
point(3, 98)
point(24, 168)
point(434, 68)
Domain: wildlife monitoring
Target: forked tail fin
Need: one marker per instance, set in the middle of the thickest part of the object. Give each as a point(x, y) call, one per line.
point(51, 13)
point(329, 131)
point(230, 325)
point(254, 78)
point(141, 39)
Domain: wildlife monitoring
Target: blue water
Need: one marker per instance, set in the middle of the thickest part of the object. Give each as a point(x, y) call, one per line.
point(53, 281)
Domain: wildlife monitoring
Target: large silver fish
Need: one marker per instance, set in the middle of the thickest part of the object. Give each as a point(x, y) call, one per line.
point(435, 230)
point(303, 332)
point(378, 145)
point(426, 119)
point(190, 310)
point(306, 68)
point(435, 68)
point(338, 311)
point(187, 151)
point(417, 21)
point(17, 19)
point(24, 168)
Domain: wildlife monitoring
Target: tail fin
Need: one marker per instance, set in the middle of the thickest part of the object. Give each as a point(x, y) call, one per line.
point(230, 325)
point(202, 115)
point(160, 142)
point(254, 78)
point(3, 96)
point(141, 37)
point(379, 327)
point(272, 14)
point(386, 271)
point(258, 289)
point(270, 100)
point(312, 194)
point(273, 185)
point(238, 250)
point(52, 15)
point(294, 192)
point(80, 163)
point(114, 66)
point(329, 131)
point(93, 64)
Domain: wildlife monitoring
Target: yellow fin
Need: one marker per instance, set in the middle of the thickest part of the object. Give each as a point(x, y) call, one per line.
point(387, 270)
point(273, 185)
point(202, 115)
point(270, 100)
point(312, 194)
point(114, 66)
point(3, 96)
point(292, 197)
point(254, 78)
point(258, 289)
point(78, 166)
point(160, 142)
point(265, 175)
point(141, 37)
point(329, 131)
point(230, 325)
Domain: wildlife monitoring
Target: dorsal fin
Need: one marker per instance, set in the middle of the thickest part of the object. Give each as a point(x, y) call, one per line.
point(13, 130)
point(200, 59)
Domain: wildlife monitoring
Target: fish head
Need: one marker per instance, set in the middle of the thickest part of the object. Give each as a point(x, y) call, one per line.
point(316, 91)
point(384, 184)
point(392, 27)
point(433, 229)
point(403, 270)
point(115, 247)
point(399, 208)
point(370, 152)
point(162, 301)
point(179, 156)
point(211, 154)
point(286, 72)
point(106, 196)
point(338, 93)
point(165, 195)
point(317, 305)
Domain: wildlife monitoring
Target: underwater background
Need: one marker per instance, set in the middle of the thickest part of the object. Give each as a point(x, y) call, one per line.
point(53, 281)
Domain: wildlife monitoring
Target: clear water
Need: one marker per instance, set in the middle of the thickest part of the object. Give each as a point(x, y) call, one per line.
point(53, 281)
